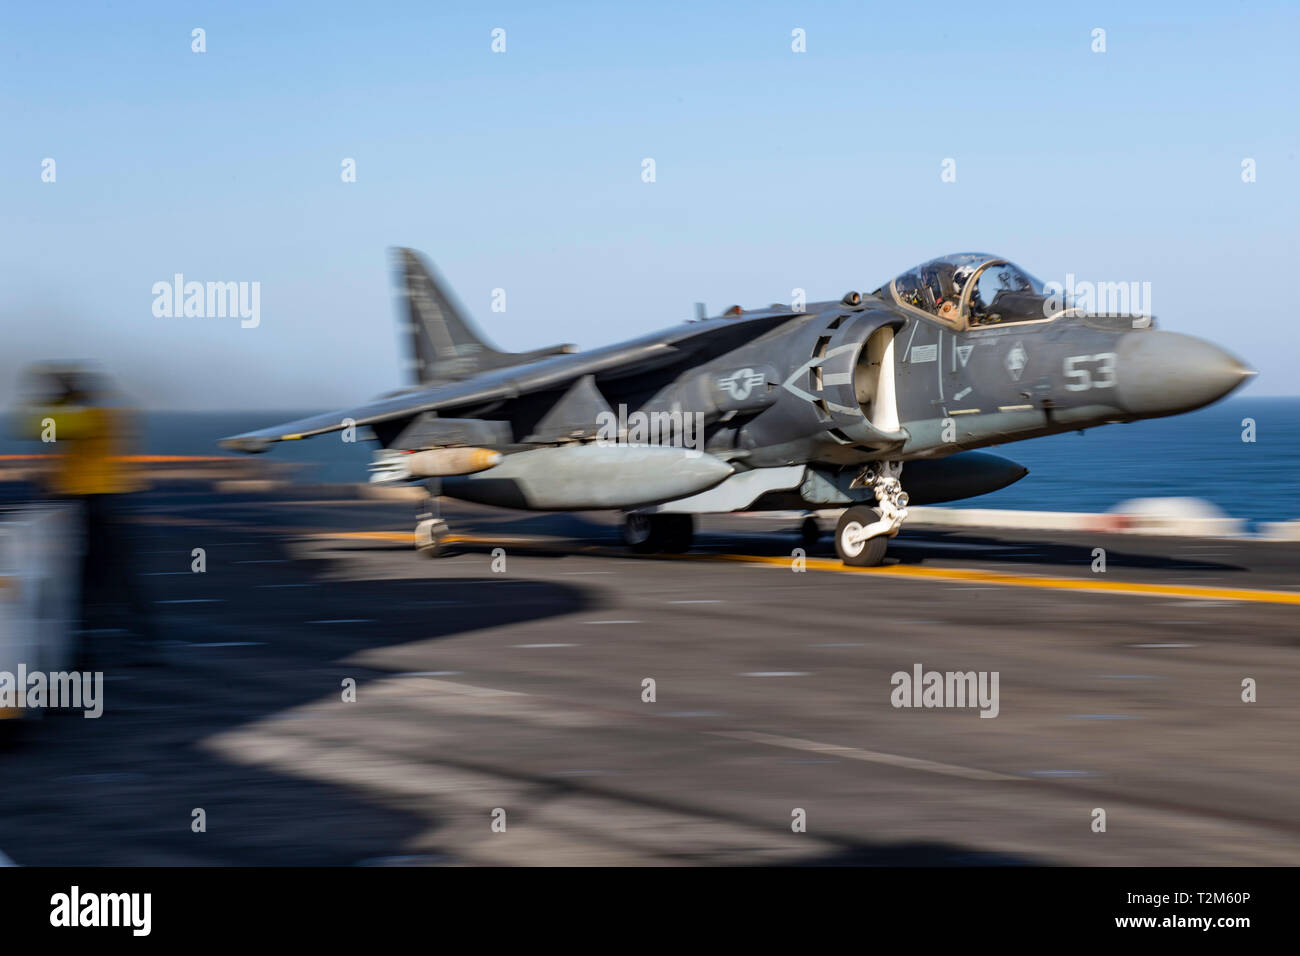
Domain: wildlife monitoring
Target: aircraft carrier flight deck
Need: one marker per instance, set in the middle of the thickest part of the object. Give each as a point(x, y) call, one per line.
point(511, 676)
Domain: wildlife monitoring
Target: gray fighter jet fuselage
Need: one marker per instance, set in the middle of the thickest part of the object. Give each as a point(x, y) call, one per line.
point(867, 403)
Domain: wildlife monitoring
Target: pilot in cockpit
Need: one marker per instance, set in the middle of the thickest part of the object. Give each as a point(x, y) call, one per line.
point(960, 276)
point(938, 289)
point(995, 291)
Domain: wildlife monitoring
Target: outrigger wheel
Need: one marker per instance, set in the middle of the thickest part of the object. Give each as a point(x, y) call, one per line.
point(650, 533)
point(431, 537)
point(854, 549)
point(431, 531)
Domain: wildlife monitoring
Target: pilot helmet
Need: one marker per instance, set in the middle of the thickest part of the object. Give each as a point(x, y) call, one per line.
point(961, 275)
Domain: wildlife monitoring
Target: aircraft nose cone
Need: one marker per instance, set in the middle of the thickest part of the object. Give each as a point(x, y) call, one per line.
point(1164, 373)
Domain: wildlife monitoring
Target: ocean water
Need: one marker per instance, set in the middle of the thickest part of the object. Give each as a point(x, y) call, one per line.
point(1199, 455)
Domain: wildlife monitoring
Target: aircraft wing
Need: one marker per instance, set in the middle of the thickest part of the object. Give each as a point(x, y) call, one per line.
point(615, 361)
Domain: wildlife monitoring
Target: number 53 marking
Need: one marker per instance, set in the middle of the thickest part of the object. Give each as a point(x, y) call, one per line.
point(1078, 378)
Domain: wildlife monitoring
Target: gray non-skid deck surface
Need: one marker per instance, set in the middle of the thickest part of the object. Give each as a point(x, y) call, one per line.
point(522, 690)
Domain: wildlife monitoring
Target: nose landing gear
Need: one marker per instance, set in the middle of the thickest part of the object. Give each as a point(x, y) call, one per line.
point(863, 533)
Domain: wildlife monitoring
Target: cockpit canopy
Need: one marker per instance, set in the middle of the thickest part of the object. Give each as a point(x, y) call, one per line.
point(973, 289)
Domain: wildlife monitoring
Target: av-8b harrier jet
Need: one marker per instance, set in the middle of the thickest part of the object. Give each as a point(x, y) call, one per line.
point(866, 404)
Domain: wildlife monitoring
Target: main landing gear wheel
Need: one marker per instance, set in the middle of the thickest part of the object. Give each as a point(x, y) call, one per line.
point(853, 549)
point(810, 532)
point(677, 533)
point(650, 533)
point(431, 537)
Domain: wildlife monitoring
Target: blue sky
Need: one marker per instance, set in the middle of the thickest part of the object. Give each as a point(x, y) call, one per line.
point(522, 170)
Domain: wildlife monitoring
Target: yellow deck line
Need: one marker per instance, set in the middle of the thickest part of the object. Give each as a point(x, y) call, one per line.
point(963, 575)
point(407, 536)
point(1035, 580)
point(135, 459)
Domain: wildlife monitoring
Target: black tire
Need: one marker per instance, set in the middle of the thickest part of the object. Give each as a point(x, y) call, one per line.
point(865, 554)
point(653, 533)
point(810, 532)
point(642, 533)
point(676, 532)
point(431, 539)
point(437, 548)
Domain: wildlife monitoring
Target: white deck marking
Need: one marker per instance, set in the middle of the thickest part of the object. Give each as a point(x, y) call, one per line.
point(229, 644)
point(776, 674)
point(870, 756)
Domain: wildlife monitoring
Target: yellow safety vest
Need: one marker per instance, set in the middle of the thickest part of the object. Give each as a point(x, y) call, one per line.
point(89, 447)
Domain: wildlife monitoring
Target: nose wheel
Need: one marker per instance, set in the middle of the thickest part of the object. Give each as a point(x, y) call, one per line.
point(862, 533)
point(851, 543)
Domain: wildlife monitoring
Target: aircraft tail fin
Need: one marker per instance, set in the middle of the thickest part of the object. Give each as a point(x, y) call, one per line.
point(444, 343)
